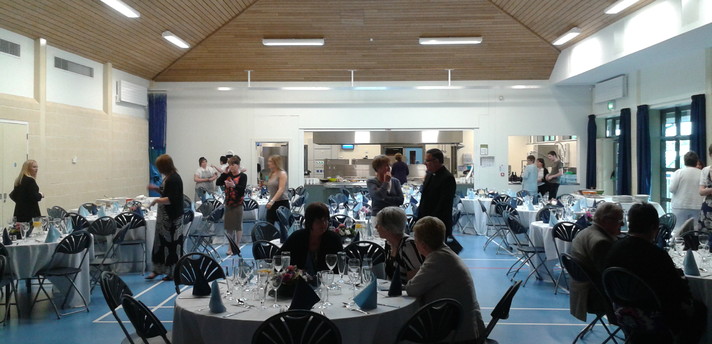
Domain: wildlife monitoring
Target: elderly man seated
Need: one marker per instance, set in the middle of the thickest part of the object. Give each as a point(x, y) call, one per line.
point(402, 255)
point(638, 254)
point(590, 248)
point(444, 275)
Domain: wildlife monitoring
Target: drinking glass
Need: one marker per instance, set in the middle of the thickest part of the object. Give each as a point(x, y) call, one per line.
point(354, 265)
point(24, 227)
point(278, 263)
point(229, 278)
point(275, 281)
point(366, 274)
point(331, 261)
point(341, 263)
point(286, 259)
point(326, 277)
point(704, 250)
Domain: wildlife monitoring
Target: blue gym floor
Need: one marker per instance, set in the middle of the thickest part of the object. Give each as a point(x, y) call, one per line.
point(537, 315)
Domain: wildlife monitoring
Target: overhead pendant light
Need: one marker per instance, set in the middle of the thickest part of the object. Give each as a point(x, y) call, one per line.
point(619, 5)
point(122, 8)
point(449, 40)
point(273, 42)
point(177, 41)
point(569, 35)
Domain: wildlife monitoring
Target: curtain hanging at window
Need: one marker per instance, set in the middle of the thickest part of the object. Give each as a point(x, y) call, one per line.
point(643, 148)
point(591, 153)
point(698, 138)
point(156, 135)
point(623, 170)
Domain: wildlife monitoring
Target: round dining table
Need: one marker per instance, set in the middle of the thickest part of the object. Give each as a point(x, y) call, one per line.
point(194, 323)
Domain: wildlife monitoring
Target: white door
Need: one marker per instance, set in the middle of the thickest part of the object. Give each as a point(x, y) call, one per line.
point(14, 137)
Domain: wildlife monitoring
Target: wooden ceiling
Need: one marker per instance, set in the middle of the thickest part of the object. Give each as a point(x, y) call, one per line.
point(376, 38)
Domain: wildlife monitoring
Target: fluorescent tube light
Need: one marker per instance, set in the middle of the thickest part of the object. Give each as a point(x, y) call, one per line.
point(306, 88)
point(439, 87)
point(292, 42)
point(449, 40)
point(223, 88)
point(429, 136)
point(362, 137)
point(524, 87)
point(169, 36)
point(122, 8)
point(569, 35)
point(619, 5)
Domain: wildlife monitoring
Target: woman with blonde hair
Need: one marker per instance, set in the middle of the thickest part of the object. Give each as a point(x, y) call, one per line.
point(26, 194)
point(168, 243)
point(277, 188)
point(384, 190)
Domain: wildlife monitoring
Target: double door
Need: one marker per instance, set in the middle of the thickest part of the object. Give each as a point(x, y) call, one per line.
point(14, 143)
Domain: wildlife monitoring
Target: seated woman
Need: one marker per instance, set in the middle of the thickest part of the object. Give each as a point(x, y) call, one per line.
point(444, 275)
point(384, 190)
point(308, 247)
point(400, 248)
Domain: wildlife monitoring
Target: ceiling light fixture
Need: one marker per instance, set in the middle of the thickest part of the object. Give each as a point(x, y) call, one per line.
point(569, 35)
point(449, 40)
point(619, 5)
point(273, 42)
point(169, 36)
point(122, 8)
point(306, 88)
point(223, 88)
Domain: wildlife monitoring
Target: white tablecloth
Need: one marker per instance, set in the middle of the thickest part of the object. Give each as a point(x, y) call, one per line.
point(381, 325)
point(626, 206)
point(26, 258)
point(541, 235)
point(472, 208)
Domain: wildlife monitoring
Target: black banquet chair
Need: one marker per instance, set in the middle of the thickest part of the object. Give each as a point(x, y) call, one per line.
point(76, 243)
point(297, 327)
point(143, 320)
point(262, 249)
point(263, 230)
point(500, 311)
point(78, 222)
point(135, 224)
point(114, 288)
point(190, 265)
point(368, 249)
point(432, 323)
point(564, 231)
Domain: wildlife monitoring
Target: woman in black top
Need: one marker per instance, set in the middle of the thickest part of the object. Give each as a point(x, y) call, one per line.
point(26, 193)
point(168, 242)
point(308, 247)
point(235, 183)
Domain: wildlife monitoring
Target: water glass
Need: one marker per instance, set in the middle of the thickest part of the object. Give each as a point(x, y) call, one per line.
point(341, 264)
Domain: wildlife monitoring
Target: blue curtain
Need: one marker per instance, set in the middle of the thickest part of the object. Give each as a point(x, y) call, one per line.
point(591, 153)
point(643, 148)
point(623, 175)
point(156, 135)
point(698, 138)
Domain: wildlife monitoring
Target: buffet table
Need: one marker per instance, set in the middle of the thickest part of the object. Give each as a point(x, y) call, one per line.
point(193, 322)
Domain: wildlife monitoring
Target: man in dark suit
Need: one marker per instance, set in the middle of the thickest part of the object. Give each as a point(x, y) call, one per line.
point(685, 316)
point(438, 190)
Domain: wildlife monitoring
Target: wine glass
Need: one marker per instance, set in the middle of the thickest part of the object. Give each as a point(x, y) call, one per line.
point(704, 249)
point(326, 277)
point(278, 263)
point(24, 227)
point(331, 261)
point(286, 259)
point(264, 268)
point(354, 265)
point(275, 281)
point(341, 263)
point(229, 278)
point(366, 274)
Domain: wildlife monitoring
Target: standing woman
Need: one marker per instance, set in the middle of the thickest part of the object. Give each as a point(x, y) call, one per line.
point(235, 183)
point(26, 193)
point(277, 187)
point(542, 186)
point(399, 170)
point(168, 242)
point(384, 190)
point(204, 177)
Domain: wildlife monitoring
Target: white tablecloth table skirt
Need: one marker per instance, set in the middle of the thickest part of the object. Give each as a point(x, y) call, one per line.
point(381, 325)
point(28, 258)
point(472, 206)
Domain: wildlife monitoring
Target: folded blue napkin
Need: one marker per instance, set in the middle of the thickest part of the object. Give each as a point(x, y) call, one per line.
point(689, 266)
point(101, 212)
point(69, 225)
point(552, 218)
point(396, 288)
point(216, 305)
point(368, 298)
point(304, 296)
point(52, 235)
point(6, 238)
point(577, 206)
point(83, 211)
point(530, 206)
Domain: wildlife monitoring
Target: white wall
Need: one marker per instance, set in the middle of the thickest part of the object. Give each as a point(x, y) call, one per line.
point(18, 72)
point(70, 88)
point(204, 122)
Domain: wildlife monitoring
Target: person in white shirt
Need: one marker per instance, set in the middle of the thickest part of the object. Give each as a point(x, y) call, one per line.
point(529, 176)
point(204, 178)
point(684, 187)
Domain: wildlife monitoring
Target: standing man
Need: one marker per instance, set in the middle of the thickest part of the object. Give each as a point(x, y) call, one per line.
point(529, 176)
point(685, 187)
point(555, 173)
point(437, 191)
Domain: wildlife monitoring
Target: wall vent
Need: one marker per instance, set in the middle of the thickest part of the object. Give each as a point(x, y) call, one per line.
point(610, 89)
point(127, 92)
point(73, 67)
point(8, 47)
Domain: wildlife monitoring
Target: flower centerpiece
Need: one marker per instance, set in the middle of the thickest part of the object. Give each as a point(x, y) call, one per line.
point(345, 231)
point(290, 277)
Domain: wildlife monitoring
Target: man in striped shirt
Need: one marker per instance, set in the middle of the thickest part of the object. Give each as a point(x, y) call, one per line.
point(401, 253)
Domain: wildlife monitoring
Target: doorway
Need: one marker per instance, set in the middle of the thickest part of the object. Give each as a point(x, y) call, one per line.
point(14, 137)
point(266, 149)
